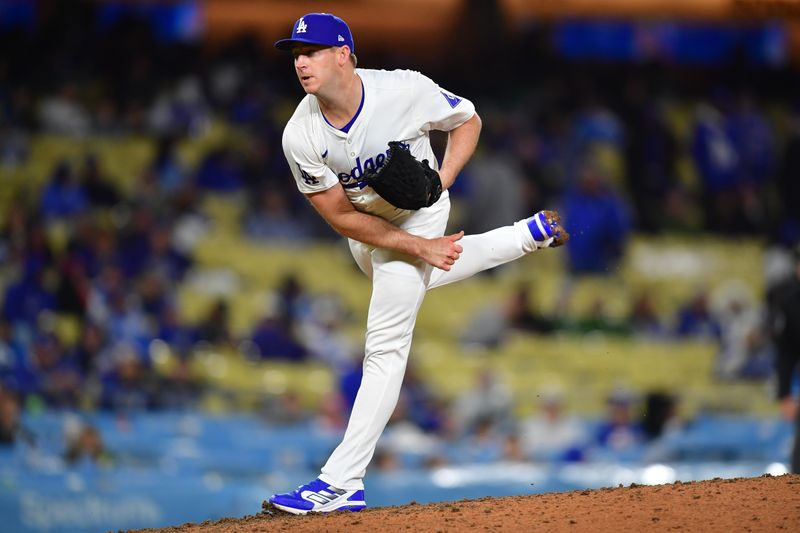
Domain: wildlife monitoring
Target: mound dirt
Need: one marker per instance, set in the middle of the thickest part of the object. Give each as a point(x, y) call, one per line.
point(766, 503)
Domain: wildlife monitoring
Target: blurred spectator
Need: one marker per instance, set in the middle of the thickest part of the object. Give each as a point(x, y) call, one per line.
point(271, 220)
point(12, 355)
point(89, 247)
point(594, 123)
point(134, 240)
point(495, 182)
point(182, 111)
point(64, 114)
point(423, 408)
point(644, 320)
point(294, 302)
point(619, 431)
point(552, 435)
point(90, 351)
point(404, 437)
point(215, 328)
point(741, 343)
point(322, 333)
point(598, 218)
point(546, 157)
point(106, 119)
point(788, 186)
point(491, 326)
point(695, 319)
point(27, 297)
point(24, 240)
point(14, 226)
point(11, 428)
point(128, 385)
point(63, 196)
point(108, 282)
point(166, 167)
point(275, 342)
point(290, 410)
point(717, 160)
point(189, 225)
point(72, 287)
point(84, 443)
point(483, 444)
point(660, 415)
point(179, 337)
point(488, 328)
point(127, 323)
point(219, 172)
point(753, 139)
point(9, 418)
point(512, 449)
point(331, 413)
point(154, 294)
point(99, 189)
point(784, 300)
point(522, 316)
point(386, 461)
point(162, 257)
point(759, 355)
point(490, 399)
point(598, 320)
point(681, 212)
point(57, 379)
point(650, 153)
point(14, 147)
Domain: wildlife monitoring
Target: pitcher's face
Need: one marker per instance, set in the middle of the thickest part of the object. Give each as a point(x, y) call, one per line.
point(315, 65)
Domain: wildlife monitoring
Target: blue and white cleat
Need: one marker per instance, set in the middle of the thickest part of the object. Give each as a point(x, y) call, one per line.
point(546, 229)
point(319, 497)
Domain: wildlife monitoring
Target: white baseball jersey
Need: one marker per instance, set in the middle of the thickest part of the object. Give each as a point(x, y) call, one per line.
point(398, 105)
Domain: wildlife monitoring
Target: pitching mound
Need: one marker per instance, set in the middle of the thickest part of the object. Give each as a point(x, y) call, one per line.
point(759, 504)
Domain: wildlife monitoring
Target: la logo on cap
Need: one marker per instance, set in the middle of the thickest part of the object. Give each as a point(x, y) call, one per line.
point(301, 26)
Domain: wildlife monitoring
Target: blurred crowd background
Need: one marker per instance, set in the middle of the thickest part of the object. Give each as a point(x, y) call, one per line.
point(157, 260)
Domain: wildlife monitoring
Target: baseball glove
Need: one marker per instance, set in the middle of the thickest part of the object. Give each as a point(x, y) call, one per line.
point(405, 182)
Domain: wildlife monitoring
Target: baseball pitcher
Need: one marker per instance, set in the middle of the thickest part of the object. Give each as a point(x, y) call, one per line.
point(358, 147)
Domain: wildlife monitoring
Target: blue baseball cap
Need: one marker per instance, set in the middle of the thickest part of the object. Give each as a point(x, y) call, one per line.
point(319, 28)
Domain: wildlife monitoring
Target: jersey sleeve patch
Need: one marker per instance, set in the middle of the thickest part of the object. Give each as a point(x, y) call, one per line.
point(307, 178)
point(451, 99)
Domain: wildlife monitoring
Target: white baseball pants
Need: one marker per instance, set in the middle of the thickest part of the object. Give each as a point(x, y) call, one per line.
point(399, 283)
